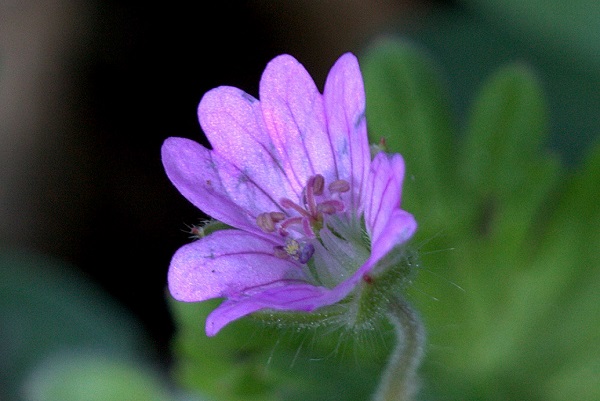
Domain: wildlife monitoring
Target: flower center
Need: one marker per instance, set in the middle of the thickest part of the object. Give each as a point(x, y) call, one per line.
point(305, 218)
point(297, 250)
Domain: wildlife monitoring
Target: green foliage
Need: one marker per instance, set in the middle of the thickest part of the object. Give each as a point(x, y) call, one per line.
point(516, 234)
point(90, 377)
point(46, 308)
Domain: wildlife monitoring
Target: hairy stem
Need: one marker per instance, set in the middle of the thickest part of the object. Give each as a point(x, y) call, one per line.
point(399, 381)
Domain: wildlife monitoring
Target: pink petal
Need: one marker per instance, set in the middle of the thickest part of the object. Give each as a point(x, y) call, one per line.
point(290, 297)
point(344, 97)
point(233, 123)
point(192, 170)
point(226, 313)
point(400, 227)
point(383, 196)
point(295, 118)
point(214, 185)
point(226, 263)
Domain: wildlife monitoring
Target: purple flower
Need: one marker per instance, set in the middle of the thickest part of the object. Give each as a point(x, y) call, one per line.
point(311, 214)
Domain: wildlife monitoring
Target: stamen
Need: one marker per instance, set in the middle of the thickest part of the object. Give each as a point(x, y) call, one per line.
point(277, 216)
point(339, 186)
point(309, 221)
point(318, 184)
point(288, 204)
point(265, 222)
point(307, 228)
point(330, 206)
point(309, 197)
point(291, 221)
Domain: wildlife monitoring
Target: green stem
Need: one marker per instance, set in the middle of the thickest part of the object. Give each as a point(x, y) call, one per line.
point(399, 381)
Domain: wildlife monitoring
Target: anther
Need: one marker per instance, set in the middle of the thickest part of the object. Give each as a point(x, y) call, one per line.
point(277, 216)
point(317, 182)
point(330, 206)
point(314, 186)
point(339, 186)
point(265, 222)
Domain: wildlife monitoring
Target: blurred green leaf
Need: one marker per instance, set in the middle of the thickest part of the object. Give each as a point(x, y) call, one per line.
point(47, 306)
point(506, 129)
point(510, 246)
point(91, 377)
point(503, 172)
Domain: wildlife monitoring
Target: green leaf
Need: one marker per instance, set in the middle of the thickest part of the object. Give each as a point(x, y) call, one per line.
point(506, 129)
point(91, 377)
point(526, 256)
point(503, 170)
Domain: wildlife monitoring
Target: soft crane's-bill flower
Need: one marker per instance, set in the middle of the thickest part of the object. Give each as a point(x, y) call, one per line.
point(311, 214)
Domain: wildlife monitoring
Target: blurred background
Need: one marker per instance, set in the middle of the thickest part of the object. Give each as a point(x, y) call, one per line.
point(90, 89)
